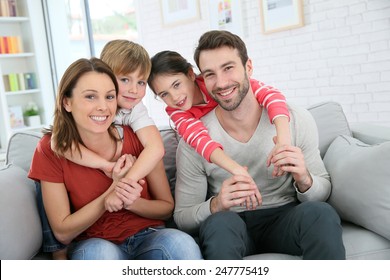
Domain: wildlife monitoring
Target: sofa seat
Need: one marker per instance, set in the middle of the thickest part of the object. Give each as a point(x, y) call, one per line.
point(359, 243)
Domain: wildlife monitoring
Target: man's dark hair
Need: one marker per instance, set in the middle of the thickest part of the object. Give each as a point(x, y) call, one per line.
point(219, 38)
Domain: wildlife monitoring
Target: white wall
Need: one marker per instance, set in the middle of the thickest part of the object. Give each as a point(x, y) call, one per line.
point(342, 53)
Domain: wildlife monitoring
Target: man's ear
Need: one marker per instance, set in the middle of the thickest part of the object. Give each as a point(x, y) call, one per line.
point(67, 105)
point(249, 67)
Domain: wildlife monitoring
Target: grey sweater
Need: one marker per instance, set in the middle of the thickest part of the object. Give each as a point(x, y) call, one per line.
point(198, 180)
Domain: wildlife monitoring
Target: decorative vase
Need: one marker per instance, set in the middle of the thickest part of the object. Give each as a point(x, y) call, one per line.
point(33, 120)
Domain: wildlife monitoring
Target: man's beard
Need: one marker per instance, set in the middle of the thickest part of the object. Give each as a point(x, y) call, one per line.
point(232, 104)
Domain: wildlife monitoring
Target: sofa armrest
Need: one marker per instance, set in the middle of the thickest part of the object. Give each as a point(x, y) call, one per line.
point(370, 134)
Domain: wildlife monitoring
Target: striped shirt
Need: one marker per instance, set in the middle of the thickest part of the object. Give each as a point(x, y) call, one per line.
point(193, 131)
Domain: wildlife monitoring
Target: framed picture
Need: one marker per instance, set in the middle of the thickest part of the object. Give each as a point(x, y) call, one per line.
point(16, 116)
point(226, 15)
point(279, 15)
point(176, 12)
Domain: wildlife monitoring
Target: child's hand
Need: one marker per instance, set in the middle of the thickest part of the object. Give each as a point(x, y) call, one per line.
point(254, 200)
point(122, 166)
point(108, 168)
point(277, 171)
point(113, 203)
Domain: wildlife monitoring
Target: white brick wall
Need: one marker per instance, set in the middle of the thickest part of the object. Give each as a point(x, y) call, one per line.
point(342, 53)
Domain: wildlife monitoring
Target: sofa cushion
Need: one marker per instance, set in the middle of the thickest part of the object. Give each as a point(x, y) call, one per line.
point(21, 147)
point(20, 231)
point(170, 139)
point(331, 122)
point(363, 244)
point(360, 182)
point(359, 243)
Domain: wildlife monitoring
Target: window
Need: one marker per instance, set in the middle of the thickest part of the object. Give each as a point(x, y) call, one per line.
point(80, 28)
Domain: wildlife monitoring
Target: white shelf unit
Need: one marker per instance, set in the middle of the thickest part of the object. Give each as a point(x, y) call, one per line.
point(29, 25)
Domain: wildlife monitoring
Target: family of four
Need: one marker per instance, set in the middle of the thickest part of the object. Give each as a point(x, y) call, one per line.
point(250, 178)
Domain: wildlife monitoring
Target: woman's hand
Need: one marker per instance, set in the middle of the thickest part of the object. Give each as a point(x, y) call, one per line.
point(128, 191)
point(112, 202)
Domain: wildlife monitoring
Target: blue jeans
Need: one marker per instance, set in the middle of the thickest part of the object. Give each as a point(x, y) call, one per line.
point(149, 244)
point(49, 242)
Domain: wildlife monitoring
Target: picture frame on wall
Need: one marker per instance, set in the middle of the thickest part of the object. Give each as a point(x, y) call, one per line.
point(280, 15)
point(226, 15)
point(176, 12)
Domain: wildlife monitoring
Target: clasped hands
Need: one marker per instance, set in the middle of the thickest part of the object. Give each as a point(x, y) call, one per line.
point(240, 189)
point(126, 191)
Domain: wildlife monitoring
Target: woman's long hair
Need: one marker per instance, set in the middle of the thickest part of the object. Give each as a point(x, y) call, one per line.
point(64, 128)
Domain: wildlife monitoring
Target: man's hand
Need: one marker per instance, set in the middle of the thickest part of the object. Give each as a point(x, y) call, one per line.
point(235, 191)
point(291, 159)
point(277, 171)
point(251, 201)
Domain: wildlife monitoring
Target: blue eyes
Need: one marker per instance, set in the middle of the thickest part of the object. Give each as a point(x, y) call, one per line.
point(126, 81)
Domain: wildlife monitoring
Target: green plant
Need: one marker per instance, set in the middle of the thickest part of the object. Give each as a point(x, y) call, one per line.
point(31, 109)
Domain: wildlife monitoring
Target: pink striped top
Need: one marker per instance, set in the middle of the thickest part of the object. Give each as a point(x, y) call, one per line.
point(195, 133)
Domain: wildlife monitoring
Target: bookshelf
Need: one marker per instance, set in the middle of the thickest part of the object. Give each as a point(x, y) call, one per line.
point(25, 73)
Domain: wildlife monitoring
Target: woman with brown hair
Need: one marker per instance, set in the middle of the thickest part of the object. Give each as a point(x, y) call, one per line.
point(74, 195)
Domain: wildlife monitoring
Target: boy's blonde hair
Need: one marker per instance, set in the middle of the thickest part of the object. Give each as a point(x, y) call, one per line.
point(126, 57)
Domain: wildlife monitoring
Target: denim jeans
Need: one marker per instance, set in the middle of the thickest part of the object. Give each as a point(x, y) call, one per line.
point(49, 242)
point(150, 244)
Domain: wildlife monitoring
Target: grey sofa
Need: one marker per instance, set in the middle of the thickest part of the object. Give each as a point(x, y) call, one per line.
point(356, 157)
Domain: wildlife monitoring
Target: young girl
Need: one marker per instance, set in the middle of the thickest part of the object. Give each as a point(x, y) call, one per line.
point(173, 79)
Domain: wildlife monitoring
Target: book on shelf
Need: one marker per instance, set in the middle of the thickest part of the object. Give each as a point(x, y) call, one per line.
point(19, 81)
point(8, 8)
point(6, 83)
point(30, 80)
point(13, 82)
point(10, 44)
point(16, 116)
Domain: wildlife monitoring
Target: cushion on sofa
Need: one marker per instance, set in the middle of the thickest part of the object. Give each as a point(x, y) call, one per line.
point(21, 147)
point(331, 122)
point(360, 182)
point(170, 139)
point(20, 231)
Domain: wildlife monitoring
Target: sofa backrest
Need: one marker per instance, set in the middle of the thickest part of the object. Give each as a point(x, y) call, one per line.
point(331, 122)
